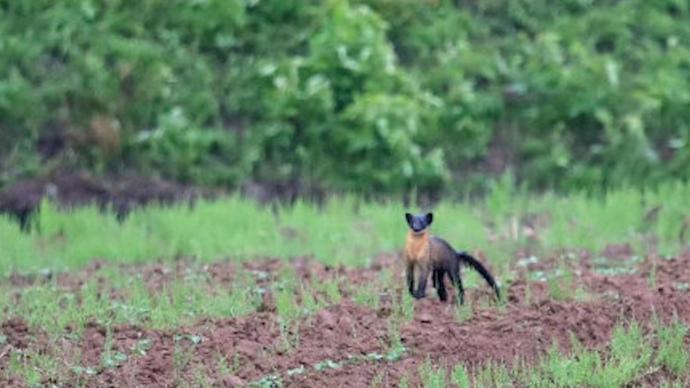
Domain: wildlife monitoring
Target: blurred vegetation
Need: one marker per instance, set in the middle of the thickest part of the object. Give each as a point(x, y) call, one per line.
point(376, 96)
point(351, 231)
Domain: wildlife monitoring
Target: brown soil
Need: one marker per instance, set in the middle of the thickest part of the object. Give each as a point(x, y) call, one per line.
point(252, 347)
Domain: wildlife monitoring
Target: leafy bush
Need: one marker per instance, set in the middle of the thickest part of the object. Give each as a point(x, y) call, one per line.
point(366, 95)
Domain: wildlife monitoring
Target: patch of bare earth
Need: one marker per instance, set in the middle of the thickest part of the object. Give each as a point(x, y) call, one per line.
point(233, 352)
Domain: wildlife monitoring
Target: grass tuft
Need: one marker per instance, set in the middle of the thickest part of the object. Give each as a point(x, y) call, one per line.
point(432, 376)
point(671, 354)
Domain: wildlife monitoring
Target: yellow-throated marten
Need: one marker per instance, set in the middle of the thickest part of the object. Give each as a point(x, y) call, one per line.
point(432, 254)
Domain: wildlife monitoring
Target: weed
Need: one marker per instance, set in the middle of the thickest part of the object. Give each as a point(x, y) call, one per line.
point(202, 379)
point(651, 279)
point(142, 347)
point(109, 357)
point(405, 307)
point(570, 372)
point(289, 332)
point(671, 353)
point(581, 294)
point(674, 384)
point(528, 293)
point(327, 364)
point(377, 380)
point(286, 304)
point(34, 366)
point(331, 290)
point(288, 310)
point(464, 312)
point(15, 364)
point(432, 376)
point(561, 283)
point(309, 302)
point(630, 355)
point(525, 375)
point(404, 381)
point(493, 375)
point(460, 376)
point(268, 382)
point(367, 295)
point(222, 365)
point(395, 346)
point(182, 355)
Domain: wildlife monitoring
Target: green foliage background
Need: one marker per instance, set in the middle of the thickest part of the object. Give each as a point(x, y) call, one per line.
point(375, 96)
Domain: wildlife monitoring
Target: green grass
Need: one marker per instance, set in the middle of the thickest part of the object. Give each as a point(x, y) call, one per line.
point(629, 356)
point(432, 376)
point(405, 306)
point(493, 375)
point(395, 345)
point(230, 227)
point(54, 309)
point(460, 376)
point(463, 312)
point(671, 354)
point(367, 295)
point(34, 367)
point(346, 230)
point(561, 283)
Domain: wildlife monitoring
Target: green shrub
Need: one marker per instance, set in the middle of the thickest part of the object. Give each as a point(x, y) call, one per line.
point(366, 95)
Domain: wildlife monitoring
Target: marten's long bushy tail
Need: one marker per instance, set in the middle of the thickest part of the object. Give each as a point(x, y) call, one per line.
point(479, 267)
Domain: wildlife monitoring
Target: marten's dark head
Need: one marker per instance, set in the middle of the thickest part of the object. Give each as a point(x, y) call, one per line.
point(419, 222)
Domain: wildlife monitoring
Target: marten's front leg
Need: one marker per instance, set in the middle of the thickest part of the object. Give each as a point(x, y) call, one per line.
point(421, 283)
point(410, 277)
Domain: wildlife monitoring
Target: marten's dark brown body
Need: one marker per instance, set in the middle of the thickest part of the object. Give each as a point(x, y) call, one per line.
point(433, 255)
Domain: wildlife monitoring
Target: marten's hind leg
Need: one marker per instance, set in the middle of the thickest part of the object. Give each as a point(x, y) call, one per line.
point(438, 284)
point(457, 282)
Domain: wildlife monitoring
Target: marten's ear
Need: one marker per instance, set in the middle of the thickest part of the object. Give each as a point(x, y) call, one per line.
point(429, 218)
point(409, 218)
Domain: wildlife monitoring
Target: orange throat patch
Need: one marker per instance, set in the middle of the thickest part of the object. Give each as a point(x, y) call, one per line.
point(417, 246)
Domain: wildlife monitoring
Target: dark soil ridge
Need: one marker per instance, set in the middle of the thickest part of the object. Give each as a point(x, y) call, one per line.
point(253, 347)
point(124, 192)
point(119, 194)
